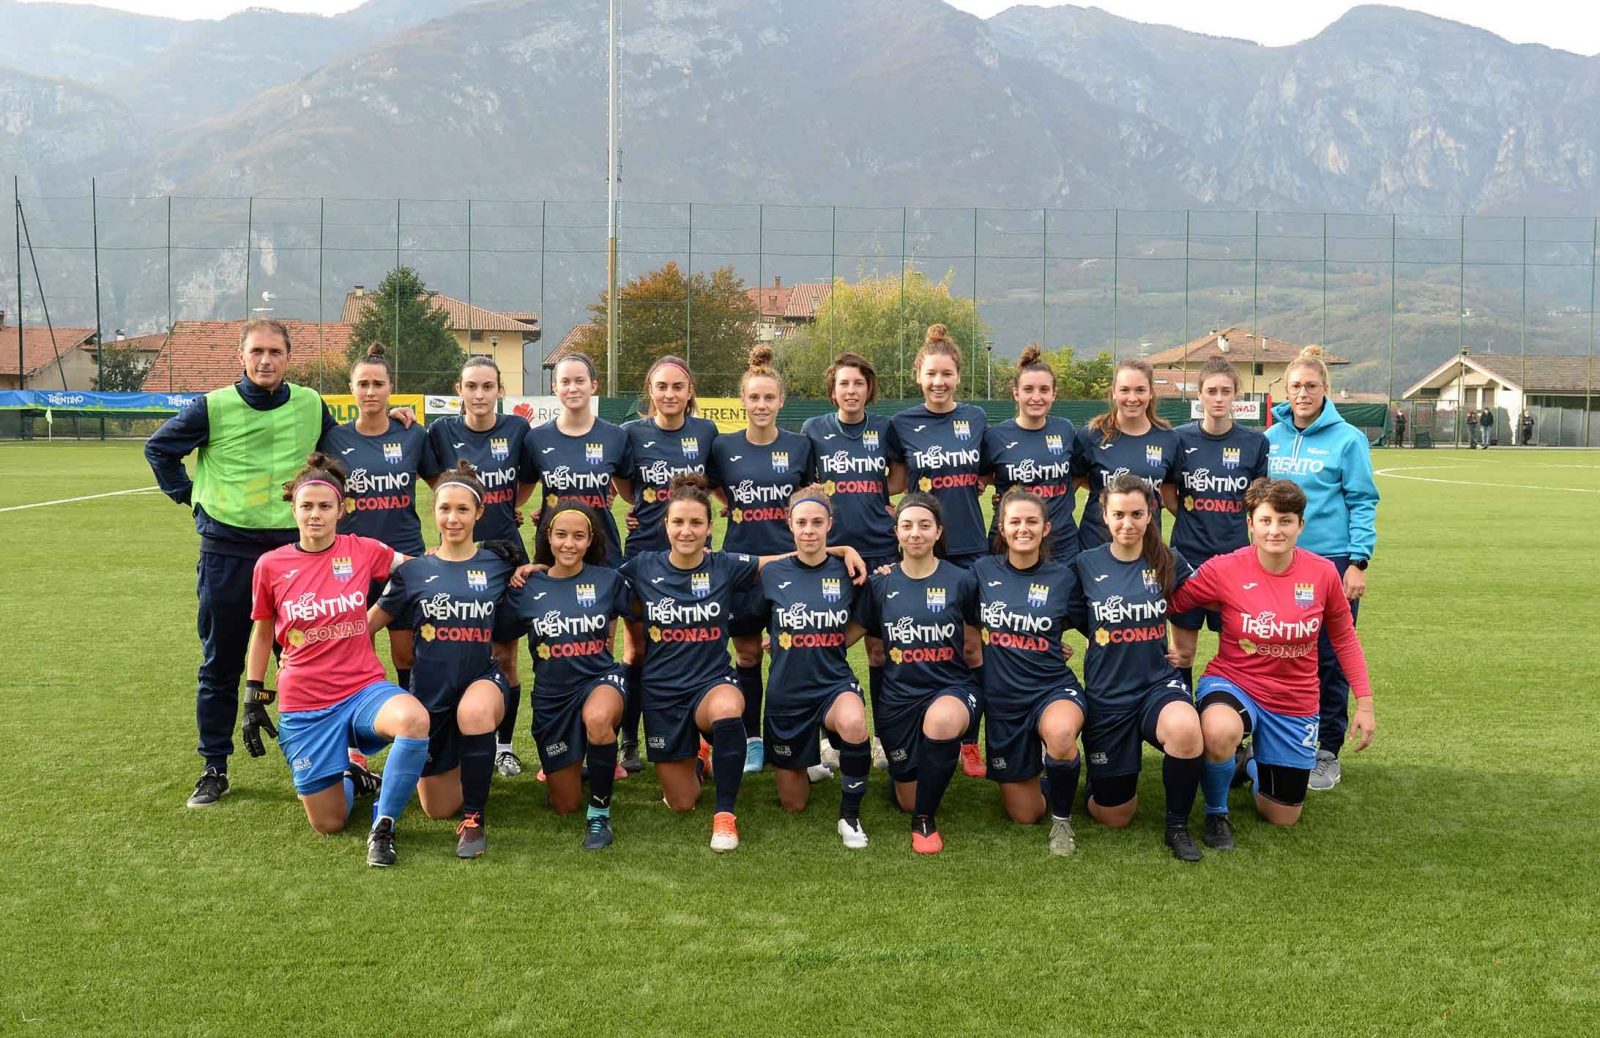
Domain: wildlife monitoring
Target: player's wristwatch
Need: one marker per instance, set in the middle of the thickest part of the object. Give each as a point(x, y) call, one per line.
point(258, 692)
point(1360, 564)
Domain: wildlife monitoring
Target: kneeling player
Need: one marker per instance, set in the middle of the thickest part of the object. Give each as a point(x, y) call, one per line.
point(312, 598)
point(1275, 599)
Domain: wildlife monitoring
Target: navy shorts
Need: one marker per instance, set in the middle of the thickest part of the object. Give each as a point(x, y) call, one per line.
point(1011, 737)
point(442, 699)
point(791, 728)
point(669, 730)
point(747, 613)
point(316, 743)
point(966, 559)
point(1111, 737)
point(444, 733)
point(875, 564)
point(1194, 619)
point(900, 729)
point(559, 733)
point(1284, 740)
point(403, 622)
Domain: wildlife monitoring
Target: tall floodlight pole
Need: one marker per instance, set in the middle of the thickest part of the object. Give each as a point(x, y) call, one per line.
point(611, 201)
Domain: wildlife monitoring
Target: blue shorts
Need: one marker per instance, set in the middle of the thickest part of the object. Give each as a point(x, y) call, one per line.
point(669, 730)
point(1111, 737)
point(316, 743)
point(790, 728)
point(1283, 740)
point(1011, 737)
point(900, 728)
point(559, 733)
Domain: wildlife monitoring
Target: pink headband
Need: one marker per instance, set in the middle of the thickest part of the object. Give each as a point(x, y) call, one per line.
point(337, 493)
point(674, 364)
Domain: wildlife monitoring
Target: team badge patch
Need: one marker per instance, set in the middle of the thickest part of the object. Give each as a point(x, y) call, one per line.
point(780, 461)
point(700, 584)
point(963, 430)
point(830, 589)
point(478, 580)
point(586, 595)
point(936, 598)
point(869, 439)
point(1152, 453)
point(343, 569)
point(1305, 594)
point(1038, 594)
point(1230, 457)
point(500, 448)
point(1052, 443)
point(391, 453)
point(594, 453)
point(1151, 582)
point(691, 447)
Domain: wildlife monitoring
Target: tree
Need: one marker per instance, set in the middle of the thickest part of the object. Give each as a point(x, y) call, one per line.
point(1088, 379)
point(122, 369)
point(707, 319)
point(425, 354)
point(873, 317)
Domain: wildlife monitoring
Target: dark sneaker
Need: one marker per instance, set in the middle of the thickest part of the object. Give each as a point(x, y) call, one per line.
point(213, 786)
point(597, 836)
point(380, 844)
point(471, 840)
point(1182, 843)
point(1241, 775)
point(629, 749)
point(366, 783)
point(1218, 833)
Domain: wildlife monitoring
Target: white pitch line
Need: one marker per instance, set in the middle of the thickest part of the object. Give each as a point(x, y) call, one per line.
point(1396, 474)
point(86, 497)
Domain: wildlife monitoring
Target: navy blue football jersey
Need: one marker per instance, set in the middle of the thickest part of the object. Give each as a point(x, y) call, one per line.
point(685, 613)
point(454, 608)
point(567, 621)
point(580, 468)
point(809, 612)
point(1120, 607)
point(943, 455)
point(655, 456)
point(759, 480)
point(923, 627)
point(504, 459)
point(852, 464)
point(381, 493)
point(1022, 615)
point(1037, 460)
point(1152, 457)
point(1213, 474)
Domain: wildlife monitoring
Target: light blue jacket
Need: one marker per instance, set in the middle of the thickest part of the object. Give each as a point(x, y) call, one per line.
point(1333, 465)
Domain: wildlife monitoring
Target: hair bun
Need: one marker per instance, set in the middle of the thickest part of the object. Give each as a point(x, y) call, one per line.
point(689, 479)
point(318, 460)
point(936, 333)
point(465, 468)
point(1030, 355)
point(1312, 352)
point(760, 357)
point(376, 350)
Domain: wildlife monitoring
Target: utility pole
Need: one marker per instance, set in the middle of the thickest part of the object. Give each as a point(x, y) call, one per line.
point(611, 201)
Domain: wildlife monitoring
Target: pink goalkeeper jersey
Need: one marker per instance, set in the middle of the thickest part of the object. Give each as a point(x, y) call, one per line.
point(317, 603)
point(1270, 624)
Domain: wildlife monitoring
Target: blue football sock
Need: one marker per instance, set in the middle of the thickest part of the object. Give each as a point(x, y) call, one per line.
point(400, 774)
point(1214, 785)
point(1250, 769)
point(349, 797)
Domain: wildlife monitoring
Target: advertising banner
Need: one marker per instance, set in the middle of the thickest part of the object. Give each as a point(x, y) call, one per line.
point(536, 409)
point(1243, 410)
point(344, 410)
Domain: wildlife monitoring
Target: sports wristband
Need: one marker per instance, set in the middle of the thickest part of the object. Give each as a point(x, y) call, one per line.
point(258, 692)
point(1360, 564)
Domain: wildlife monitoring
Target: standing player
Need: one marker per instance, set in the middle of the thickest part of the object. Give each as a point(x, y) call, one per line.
point(500, 450)
point(248, 440)
point(1276, 602)
point(453, 598)
point(580, 456)
point(859, 468)
point(1033, 451)
point(809, 601)
point(1314, 446)
point(923, 609)
point(756, 473)
point(568, 613)
point(1119, 593)
point(311, 598)
point(385, 458)
point(1217, 460)
point(1129, 438)
point(668, 441)
point(1033, 704)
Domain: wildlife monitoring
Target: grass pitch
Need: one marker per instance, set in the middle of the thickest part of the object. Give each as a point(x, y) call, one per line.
point(1448, 886)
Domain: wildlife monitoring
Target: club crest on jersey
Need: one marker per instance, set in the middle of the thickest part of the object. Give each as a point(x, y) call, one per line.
point(343, 569)
point(478, 580)
point(1230, 457)
point(869, 439)
point(1052, 443)
point(691, 446)
point(936, 598)
point(700, 584)
point(594, 453)
point(391, 453)
point(963, 430)
point(1152, 453)
point(586, 595)
point(830, 589)
point(1305, 594)
point(1151, 581)
point(780, 461)
point(500, 448)
point(1038, 594)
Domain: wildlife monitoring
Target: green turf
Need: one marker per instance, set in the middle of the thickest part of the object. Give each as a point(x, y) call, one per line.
point(1448, 886)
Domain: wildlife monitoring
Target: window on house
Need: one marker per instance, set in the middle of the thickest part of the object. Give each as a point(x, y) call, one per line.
point(477, 336)
point(1260, 369)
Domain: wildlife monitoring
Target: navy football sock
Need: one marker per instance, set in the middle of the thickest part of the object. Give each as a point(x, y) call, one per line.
point(1062, 784)
point(875, 693)
point(400, 774)
point(936, 763)
point(727, 760)
point(971, 738)
point(1188, 677)
point(402, 677)
point(477, 765)
point(602, 763)
point(855, 764)
point(750, 686)
point(508, 724)
point(1181, 779)
point(1215, 783)
point(633, 704)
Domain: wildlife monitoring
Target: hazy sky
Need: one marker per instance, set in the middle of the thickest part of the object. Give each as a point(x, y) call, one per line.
point(1556, 23)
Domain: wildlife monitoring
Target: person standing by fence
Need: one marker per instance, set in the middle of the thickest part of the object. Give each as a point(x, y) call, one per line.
point(1486, 426)
point(1527, 428)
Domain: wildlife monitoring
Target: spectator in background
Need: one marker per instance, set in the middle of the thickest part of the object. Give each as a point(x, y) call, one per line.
point(1486, 425)
point(1527, 428)
point(1472, 430)
point(1399, 428)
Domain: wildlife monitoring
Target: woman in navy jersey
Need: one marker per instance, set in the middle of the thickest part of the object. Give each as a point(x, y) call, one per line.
point(499, 449)
point(1217, 460)
point(858, 466)
point(1033, 451)
point(809, 604)
point(568, 612)
point(580, 455)
point(756, 472)
point(941, 441)
point(1129, 438)
point(924, 609)
point(385, 459)
point(685, 595)
point(668, 440)
point(1118, 594)
point(1033, 704)
point(455, 599)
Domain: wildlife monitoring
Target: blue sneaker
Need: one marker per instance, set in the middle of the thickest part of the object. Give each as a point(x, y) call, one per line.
point(755, 756)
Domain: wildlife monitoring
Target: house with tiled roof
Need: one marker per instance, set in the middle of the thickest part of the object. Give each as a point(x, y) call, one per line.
point(46, 358)
point(1560, 392)
point(782, 308)
point(1261, 359)
point(501, 334)
point(199, 356)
